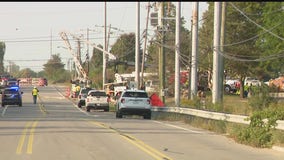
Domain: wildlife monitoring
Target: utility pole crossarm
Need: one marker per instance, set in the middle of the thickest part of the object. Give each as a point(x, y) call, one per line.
point(110, 56)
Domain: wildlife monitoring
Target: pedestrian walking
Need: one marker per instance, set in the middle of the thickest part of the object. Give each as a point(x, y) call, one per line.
point(35, 94)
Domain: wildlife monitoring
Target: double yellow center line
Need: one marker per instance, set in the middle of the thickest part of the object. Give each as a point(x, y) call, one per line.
point(141, 145)
point(29, 130)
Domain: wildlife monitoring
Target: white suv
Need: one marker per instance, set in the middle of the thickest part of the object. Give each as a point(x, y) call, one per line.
point(133, 102)
point(97, 99)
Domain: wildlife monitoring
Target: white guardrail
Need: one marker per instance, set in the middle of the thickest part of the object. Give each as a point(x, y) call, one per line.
point(211, 115)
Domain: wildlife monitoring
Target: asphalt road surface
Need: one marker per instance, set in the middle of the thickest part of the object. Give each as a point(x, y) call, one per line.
point(56, 129)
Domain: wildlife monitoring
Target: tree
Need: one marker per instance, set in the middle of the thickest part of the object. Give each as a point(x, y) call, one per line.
point(97, 57)
point(96, 66)
point(2, 53)
point(124, 50)
point(14, 69)
point(54, 69)
point(240, 47)
point(26, 73)
point(271, 43)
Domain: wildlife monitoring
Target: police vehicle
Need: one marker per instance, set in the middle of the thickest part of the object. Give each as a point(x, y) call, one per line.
point(12, 96)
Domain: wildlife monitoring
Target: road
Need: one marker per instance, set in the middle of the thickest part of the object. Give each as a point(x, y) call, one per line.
point(56, 129)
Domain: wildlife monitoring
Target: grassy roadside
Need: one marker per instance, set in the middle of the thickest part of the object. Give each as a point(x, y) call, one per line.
point(231, 104)
point(259, 135)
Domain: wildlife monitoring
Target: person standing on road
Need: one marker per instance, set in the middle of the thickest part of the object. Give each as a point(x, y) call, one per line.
point(35, 94)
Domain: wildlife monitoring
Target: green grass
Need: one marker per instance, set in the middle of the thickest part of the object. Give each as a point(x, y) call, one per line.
point(232, 104)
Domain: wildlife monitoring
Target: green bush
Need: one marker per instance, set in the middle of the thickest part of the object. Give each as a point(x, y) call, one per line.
point(260, 98)
point(255, 136)
point(262, 124)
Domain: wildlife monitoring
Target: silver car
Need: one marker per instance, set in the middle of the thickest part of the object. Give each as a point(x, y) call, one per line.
point(133, 102)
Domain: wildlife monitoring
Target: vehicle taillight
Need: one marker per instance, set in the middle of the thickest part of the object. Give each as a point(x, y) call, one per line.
point(122, 100)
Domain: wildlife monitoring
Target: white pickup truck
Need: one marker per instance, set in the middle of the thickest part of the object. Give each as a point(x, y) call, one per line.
point(97, 99)
point(250, 81)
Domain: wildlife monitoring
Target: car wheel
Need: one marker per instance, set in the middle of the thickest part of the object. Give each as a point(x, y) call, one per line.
point(106, 110)
point(148, 116)
point(20, 104)
point(118, 115)
point(88, 108)
point(3, 105)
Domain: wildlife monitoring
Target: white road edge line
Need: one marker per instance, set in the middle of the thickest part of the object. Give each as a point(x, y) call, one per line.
point(75, 105)
point(4, 111)
point(178, 127)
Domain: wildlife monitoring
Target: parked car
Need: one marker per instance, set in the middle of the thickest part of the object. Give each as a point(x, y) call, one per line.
point(97, 99)
point(134, 102)
point(82, 96)
point(12, 96)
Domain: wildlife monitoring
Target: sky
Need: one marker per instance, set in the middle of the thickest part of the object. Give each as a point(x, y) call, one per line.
point(31, 30)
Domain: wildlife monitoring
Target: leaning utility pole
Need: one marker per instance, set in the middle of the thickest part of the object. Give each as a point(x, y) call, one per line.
point(105, 47)
point(193, 72)
point(145, 45)
point(177, 55)
point(216, 96)
point(88, 55)
point(79, 58)
point(137, 46)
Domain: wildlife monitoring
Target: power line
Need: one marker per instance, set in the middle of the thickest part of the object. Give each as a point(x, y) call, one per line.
point(281, 38)
point(26, 60)
point(266, 13)
point(254, 37)
point(260, 59)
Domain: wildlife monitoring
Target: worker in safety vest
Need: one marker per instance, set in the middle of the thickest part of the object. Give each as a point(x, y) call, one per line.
point(78, 88)
point(35, 94)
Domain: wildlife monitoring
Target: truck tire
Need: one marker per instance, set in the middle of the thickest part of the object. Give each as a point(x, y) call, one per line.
point(227, 89)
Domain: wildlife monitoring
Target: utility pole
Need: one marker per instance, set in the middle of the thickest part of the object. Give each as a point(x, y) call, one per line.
point(137, 46)
point(193, 72)
point(216, 96)
point(88, 63)
point(161, 52)
point(105, 47)
point(79, 58)
point(145, 44)
point(108, 37)
point(50, 43)
point(222, 42)
point(177, 48)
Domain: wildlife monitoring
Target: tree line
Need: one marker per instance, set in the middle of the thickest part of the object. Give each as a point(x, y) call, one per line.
point(253, 46)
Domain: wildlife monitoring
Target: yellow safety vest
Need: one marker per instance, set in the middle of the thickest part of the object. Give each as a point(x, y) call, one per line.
point(35, 92)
